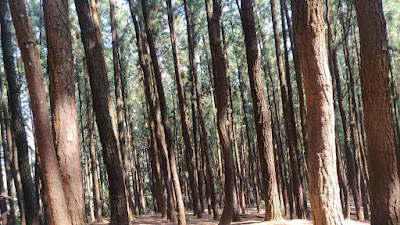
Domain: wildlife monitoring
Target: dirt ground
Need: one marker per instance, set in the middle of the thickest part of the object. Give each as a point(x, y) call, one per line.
point(251, 217)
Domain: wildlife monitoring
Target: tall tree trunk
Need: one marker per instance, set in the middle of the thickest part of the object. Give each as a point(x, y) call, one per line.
point(384, 179)
point(252, 166)
point(290, 125)
point(57, 206)
point(91, 38)
point(144, 64)
point(63, 109)
point(184, 115)
point(261, 114)
point(350, 163)
point(93, 158)
point(220, 80)
point(17, 121)
point(321, 156)
point(119, 106)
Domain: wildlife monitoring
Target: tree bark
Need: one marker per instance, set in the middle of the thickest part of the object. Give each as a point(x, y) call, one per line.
point(184, 115)
point(63, 109)
point(221, 101)
point(17, 121)
point(57, 206)
point(384, 179)
point(290, 125)
point(93, 158)
point(309, 28)
point(91, 38)
point(119, 107)
point(261, 114)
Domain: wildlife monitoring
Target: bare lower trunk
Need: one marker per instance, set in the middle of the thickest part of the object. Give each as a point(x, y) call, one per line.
point(91, 38)
point(384, 180)
point(57, 206)
point(321, 156)
point(63, 109)
point(261, 114)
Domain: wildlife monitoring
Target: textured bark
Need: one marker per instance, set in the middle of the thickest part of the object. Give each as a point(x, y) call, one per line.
point(91, 38)
point(57, 207)
point(221, 101)
point(163, 106)
point(144, 64)
point(261, 114)
point(119, 106)
point(290, 126)
point(384, 180)
point(17, 121)
point(93, 158)
point(62, 101)
point(184, 115)
point(309, 28)
point(350, 163)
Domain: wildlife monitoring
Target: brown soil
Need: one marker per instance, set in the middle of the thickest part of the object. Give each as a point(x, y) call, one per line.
point(251, 217)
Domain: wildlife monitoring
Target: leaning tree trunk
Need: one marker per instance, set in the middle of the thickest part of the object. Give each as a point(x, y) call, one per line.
point(261, 114)
point(148, 94)
point(91, 38)
point(287, 103)
point(200, 109)
point(309, 28)
point(93, 158)
point(63, 109)
point(119, 106)
point(57, 206)
point(384, 179)
point(17, 121)
point(221, 101)
point(184, 116)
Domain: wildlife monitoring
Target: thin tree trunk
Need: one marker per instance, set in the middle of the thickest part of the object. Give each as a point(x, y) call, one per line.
point(63, 109)
point(290, 125)
point(220, 80)
point(17, 121)
point(384, 180)
point(93, 159)
point(183, 113)
point(119, 107)
point(321, 156)
point(91, 38)
point(261, 114)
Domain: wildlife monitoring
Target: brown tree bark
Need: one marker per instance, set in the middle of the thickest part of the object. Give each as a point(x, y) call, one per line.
point(221, 93)
point(163, 107)
point(63, 109)
point(57, 207)
point(309, 28)
point(384, 179)
point(261, 114)
point(119, 107)
point(17, 122)
point(183, 114)
point(91, 38)
point(93, 158)
point(350, 163)
point(290, 125)
point(144, 64)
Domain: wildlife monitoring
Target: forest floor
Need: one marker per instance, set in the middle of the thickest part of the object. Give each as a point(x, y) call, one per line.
point(251, 217)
